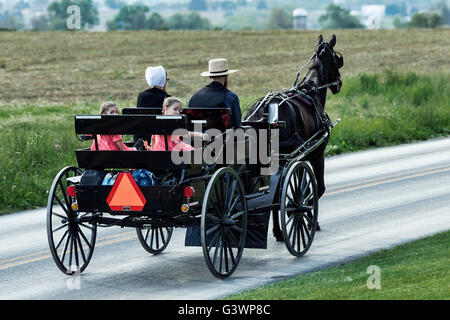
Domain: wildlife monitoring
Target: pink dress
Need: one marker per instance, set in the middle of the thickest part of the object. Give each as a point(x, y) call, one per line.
point(173, 142)
point(109, 142)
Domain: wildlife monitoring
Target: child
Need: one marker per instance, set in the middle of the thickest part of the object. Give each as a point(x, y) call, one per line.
point(173, 106)
point(112, 142)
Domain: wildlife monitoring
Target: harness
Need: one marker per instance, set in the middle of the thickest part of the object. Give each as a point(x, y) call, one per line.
point(305, 90)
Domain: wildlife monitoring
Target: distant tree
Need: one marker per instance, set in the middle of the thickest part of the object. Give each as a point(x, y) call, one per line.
point(39, 5)
point(131, 17)
point(11, 20)
point(241, 3)
point(425, 20)
point(261, 5)
point(155, 22)
point(21, 5)
point(188, 22)
point(399, 22)
point(280, 19)
point(57, 12)
point(445, 12)
point(392, 9)
point(197, 5)
point(403, 10)
point(228, 5)
point(115, 4)
point(337, 17)
point(40, 22)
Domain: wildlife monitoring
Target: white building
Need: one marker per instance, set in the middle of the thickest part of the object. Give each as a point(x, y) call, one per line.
point(372, 15)
point(300, 18)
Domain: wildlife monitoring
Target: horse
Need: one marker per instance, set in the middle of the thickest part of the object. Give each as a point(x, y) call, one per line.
point(304, 115)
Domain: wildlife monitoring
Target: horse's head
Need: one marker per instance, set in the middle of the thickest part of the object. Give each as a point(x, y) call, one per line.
point(331, 62)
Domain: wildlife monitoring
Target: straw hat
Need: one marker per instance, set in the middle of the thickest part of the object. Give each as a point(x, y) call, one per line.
point(217, 68)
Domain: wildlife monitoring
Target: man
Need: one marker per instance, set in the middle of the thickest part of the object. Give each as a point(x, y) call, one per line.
point(216, 94)
point(154, 96)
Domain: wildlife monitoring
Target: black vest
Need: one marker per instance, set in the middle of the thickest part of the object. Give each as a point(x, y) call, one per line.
point(210, 96)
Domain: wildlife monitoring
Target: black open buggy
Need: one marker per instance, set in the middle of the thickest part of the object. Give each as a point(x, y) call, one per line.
point(225, 207)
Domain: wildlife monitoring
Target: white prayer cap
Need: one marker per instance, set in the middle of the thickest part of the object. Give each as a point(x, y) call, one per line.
point(155, 76)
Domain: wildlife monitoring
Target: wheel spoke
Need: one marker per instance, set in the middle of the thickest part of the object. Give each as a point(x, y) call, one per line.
point(236, 228)
point(213, 217)
point(84, 237)
point(157, 238)
point(59, 228)
point(292, 200)
point(213, 229)
point(151, 237)
point(214, 240)
point(81, 248)
point(62, 206)
point(162, 235)
point(308, 197)
point(233, 240)
point(292, 228)
point(233, 190)
point(71, 250)
point(59, 215)
point(220, 255)
point(225, 253)
point(64, 194)
point(146, 235)
point(306, 230)
point(290, 219)
point(75, 247)
point(60, 241)
point(230, 249)
point(83, 225)
point(218, 246)
point(65, 248)
point(237, 215)
point(235, 202)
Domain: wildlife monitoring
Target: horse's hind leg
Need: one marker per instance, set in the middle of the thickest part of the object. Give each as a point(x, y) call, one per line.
point(318, 165)
point(276, 226)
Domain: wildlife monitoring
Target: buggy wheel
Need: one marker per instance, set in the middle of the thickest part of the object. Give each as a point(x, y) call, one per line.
point(154, 239)
point(71, 235)
point(223, 222)
point(299, 208)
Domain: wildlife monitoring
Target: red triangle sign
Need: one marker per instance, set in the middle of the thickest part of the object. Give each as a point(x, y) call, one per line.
point(125, 194)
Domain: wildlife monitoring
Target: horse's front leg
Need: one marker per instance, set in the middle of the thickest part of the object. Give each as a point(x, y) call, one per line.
point(276, 226)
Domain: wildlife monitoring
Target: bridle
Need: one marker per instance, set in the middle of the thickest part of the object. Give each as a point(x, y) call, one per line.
point(338, 62)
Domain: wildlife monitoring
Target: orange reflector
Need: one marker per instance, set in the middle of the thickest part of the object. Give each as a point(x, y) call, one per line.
point(184, 208)
point(74, 206)
point(125, 194)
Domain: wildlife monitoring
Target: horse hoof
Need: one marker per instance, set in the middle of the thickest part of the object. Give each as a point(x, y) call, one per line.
point(278, 236)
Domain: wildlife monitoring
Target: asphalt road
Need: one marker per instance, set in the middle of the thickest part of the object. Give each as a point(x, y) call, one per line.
point(375, 199)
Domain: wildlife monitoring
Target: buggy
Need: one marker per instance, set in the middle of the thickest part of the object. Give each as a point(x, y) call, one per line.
point(225, 207)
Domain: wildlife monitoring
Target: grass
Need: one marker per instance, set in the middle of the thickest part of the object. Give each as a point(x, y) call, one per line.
point(415, 270)
point(376, 110)
point(48, 77)
point(78, 67)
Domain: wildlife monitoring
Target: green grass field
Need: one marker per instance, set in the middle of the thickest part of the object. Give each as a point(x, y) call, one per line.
point(413, 271)
point(396, 87)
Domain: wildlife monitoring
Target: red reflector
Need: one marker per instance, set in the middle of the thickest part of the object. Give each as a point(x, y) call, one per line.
point(188, 192)
point(71, 191)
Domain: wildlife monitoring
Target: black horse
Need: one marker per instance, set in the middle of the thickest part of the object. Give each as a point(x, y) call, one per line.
point(304, 113)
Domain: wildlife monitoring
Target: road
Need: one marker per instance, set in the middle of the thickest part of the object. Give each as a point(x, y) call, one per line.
point(374, 200)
